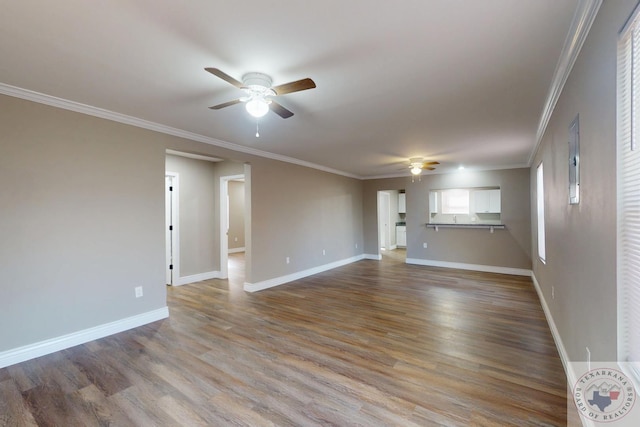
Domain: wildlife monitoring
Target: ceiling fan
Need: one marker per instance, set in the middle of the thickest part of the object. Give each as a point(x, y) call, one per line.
point(417, 165)
point(259, 91)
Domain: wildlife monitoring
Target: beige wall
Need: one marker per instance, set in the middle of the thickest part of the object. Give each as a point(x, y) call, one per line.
point(236, 214)
point(300, 212)
point(83, 219)
point(82, 222)
point(581, 239)
point(510, 248)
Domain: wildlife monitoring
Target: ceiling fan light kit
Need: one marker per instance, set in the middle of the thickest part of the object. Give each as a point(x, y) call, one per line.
point(257, 107)
point(257, 82)
point(417, 165)
point(259, 91)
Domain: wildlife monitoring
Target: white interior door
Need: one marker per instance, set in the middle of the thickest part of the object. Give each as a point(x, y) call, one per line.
point(384, 219)
point(171, 228)
point(224, 223)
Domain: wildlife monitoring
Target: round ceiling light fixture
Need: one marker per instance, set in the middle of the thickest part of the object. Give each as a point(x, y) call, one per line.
point(258, 89)
point(257, 107)
point(416, 165)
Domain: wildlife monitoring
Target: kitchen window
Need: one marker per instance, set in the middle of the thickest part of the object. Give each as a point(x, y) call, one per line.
point(455, 201)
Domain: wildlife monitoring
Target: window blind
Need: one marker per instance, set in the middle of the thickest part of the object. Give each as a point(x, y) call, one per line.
point(455, 201)
point(628, 193)
point(542, 251)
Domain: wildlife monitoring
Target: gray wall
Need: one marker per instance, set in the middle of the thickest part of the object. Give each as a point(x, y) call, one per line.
point(236, 214)
point(581, 239)
point(504, 248)
point(83, 219)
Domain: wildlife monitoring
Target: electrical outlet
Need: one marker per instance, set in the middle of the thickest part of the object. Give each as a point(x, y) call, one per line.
point(553, 292)
point(138, 291)
point(356, 246)
point(324, 252)
point(288, 260)
point(424, 245)
point(235, 239)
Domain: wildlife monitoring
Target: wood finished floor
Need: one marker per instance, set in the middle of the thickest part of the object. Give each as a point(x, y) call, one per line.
point(371, 344)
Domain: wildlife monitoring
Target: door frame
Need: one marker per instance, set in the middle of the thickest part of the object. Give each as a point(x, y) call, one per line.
point(224, 223)
point(175, 232)
point(382, 215)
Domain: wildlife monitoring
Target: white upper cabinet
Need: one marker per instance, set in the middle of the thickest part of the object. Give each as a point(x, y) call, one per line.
point(433, 202)
point(402, 203)
point(487, 201)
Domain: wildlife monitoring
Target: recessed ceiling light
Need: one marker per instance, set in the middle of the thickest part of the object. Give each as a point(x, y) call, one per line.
point(461, 167)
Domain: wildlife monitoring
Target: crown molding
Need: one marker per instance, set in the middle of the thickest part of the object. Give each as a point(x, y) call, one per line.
point(448, 171)
point(66, 104)
point(194, 156)
point(583, 18)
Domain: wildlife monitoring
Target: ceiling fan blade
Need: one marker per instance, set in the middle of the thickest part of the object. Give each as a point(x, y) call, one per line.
point(430, 163)
point(428, 168)
point(296, 86)
point(224, 76)
point(225, 104)
point(280, 110)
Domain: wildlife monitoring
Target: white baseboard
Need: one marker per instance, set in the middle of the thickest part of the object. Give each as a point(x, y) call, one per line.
point(185, 280)
point(265, 284)
point(554, 332)
point(569, 372)
point(235, 250)
point(376, 257)
point(42, 348)
point(474, 267)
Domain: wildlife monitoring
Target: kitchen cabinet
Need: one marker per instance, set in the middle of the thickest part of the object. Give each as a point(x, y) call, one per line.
point(487, 201)
point(433, 202)
point(401, 236)
point(402, 203)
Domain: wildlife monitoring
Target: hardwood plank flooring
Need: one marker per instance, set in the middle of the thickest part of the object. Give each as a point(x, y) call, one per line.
point(374, 343)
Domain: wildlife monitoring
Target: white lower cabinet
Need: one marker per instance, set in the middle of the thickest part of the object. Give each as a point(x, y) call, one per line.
point(401, 236)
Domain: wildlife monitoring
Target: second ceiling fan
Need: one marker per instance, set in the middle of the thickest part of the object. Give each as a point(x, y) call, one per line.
point(259, 92)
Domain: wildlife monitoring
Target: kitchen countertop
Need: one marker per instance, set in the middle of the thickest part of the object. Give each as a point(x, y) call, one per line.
point(470, 225)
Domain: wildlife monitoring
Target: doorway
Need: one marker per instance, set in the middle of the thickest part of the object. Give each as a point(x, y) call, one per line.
point(193, 240)
point(232, 218)
point(391, 224)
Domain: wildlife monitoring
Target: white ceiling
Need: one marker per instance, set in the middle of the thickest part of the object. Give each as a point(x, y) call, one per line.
point(460, 82)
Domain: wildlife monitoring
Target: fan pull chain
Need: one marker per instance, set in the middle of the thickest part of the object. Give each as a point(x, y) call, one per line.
point(257, 129)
